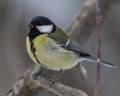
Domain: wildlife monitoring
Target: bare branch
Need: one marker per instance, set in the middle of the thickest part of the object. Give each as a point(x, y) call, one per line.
point(28, 86)
point(98, 30)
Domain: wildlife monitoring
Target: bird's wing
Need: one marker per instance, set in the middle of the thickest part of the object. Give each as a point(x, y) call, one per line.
point(62, 39)
point(75, 47)
point(59, 37)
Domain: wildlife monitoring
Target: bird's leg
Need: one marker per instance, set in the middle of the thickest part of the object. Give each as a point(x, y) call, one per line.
point(56, 77)
point(39, 72)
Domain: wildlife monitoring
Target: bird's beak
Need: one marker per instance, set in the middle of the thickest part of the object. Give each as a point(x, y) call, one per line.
point(31, 26)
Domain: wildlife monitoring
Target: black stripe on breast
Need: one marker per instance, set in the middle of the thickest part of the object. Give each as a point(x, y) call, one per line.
point(33, 49)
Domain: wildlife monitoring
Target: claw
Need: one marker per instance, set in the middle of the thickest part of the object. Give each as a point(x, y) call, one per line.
point(57, 76)
point(40, 72)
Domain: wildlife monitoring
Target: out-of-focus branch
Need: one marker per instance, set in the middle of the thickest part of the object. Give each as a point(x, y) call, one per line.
point(84, 25)
point(80, 30)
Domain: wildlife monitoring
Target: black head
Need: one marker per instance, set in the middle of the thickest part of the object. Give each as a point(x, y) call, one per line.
point(40, 20)
point(41, 25)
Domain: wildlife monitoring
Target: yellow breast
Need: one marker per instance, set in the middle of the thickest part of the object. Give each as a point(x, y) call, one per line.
point(51, 55)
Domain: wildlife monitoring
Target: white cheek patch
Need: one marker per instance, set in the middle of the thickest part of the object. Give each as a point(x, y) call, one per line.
point(45, 28)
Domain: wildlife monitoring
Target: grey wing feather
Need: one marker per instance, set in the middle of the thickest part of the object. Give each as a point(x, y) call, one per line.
point(76, 47)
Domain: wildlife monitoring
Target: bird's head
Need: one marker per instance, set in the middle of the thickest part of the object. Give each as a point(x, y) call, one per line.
point(41, 25)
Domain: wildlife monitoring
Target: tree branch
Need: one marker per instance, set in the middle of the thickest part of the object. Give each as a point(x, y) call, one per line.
point(28, 86)
point(80, 30)
point(84, 25)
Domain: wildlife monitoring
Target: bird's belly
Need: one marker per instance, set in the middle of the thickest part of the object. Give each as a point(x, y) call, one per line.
point(55, 57)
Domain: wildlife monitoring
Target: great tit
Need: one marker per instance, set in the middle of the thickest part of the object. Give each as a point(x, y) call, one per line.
point(52, 49)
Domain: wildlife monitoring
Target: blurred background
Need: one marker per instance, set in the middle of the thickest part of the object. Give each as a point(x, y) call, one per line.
point(15, 16)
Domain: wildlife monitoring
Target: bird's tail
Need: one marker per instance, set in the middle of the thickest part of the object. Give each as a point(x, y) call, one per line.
point(104, 63)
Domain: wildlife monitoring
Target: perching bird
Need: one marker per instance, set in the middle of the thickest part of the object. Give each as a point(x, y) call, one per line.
point(51, 48)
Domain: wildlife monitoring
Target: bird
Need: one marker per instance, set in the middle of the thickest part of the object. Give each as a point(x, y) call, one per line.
point(51, 48)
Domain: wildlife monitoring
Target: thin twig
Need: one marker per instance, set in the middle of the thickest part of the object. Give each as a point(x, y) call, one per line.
point(98, 30)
